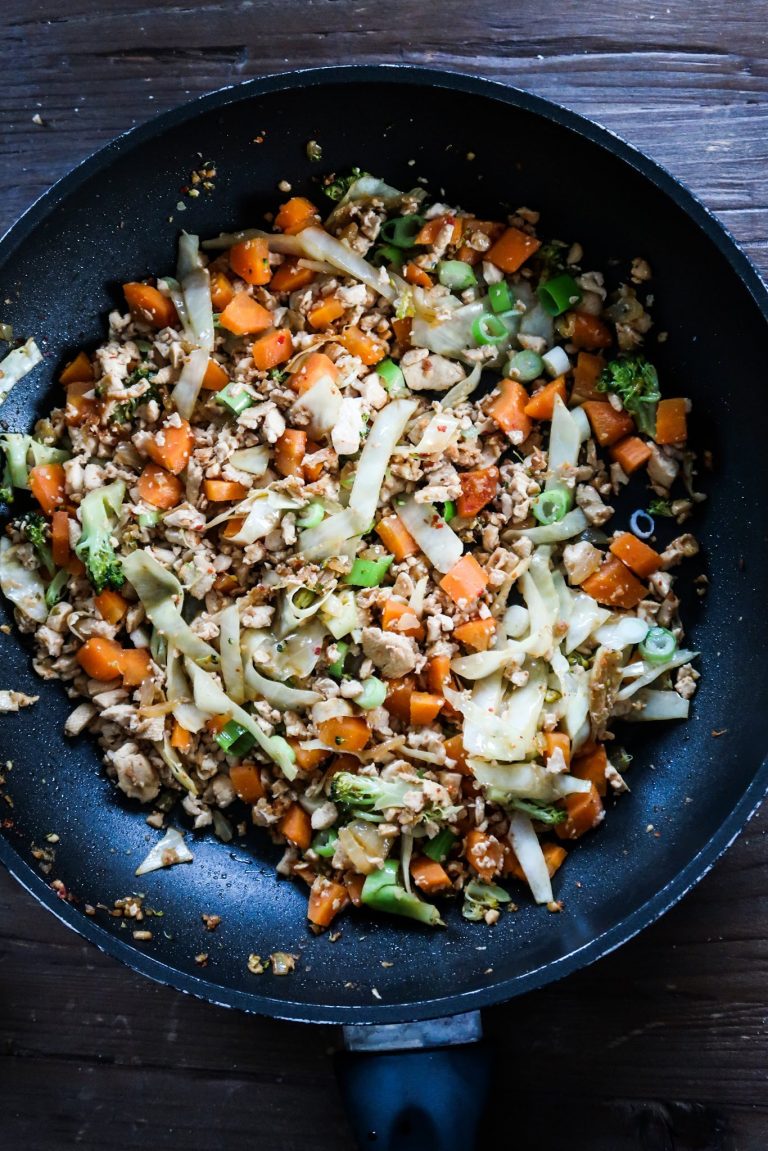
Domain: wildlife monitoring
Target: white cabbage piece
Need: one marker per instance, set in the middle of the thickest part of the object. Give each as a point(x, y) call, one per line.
point(572, 524)
point(526, 846)
point(179, 692)
point(382, 440)
point(278, 694)
point(263, 510)
point(659, 705)
point(196, 286)
point(538, 590)
point(508, 736)
point(16, 365)
point(481, 664)
point(187, 387)
point(167, 851)
point(526, 780)
point(516, 621)
point(573, 684)
point(331, 535)
point(21, 585)
point(322, 403)
point(435, 537)
point(586, 617)
point(229, 651)
point(254, 461)
point(621, 631)
point(645, 673)
point(290, 616)
point(564, 445)
point(286, 245)
point(339, 613)
point(319, 245)
point(161, 594)
point(440, 433)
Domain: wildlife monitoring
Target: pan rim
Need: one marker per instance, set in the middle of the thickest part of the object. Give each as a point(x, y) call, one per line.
point(697, 867)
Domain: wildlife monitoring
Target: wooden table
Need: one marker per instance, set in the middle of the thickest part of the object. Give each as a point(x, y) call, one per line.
point(661, 1047)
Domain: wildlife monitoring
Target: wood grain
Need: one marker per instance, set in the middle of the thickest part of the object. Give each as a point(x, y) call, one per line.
point(662, 1046)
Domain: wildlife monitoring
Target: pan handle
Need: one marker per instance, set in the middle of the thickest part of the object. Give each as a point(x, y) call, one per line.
point(406, 1095)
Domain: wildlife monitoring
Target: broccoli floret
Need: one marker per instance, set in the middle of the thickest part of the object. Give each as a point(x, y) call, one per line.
point(551, 259)
point(34, 527)
point(98, 514)
point(369, 793)
point(635, 381)
point(542, 812)
point(660, 508)
point(336, 189)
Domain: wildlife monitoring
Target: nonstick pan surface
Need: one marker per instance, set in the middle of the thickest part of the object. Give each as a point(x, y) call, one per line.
point(116, 218)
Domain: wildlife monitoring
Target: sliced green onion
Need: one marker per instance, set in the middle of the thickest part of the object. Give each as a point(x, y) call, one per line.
point(488, 329)
point(149, 519)
point(236, 401)
point(560, 294)
point(525, 366)
point(500, 297)
point(373, 695)
point(457, 275)
point(234, 739)
point(336, 669)
point(388, 254)
point(392, 377)
point(658, 646)
point(312, 515)
point(550, 506)
point(439, 847)
point(304, 598)
point(402, 231)
point(369, 573)
point(449, 510)
point(324, 843)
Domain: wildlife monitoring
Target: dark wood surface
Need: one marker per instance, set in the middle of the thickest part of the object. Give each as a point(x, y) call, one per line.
point(662, 1046)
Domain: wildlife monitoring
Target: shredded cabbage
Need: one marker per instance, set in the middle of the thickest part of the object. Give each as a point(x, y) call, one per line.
point(229, 651)
point(439, 433)
point(322, 403)
point(16, 364)
point(564, 445)
point(330, 536)
point(187, 387)
point(526, 780)
point(319, 245)
point(179, 692)
point(586, 617)
point(279, 695)
point(526, 846)
point(254, 461)
point(484, 663)
point(508, 736)
point(463, 390)
point(21, 585)
point(621, 631)
point(659, 705)
point(263, 510)
point(161, 594)
point(196, 286)
point(339, 613)
point(572, 524)
point(646, 673)
point(287, 245)
point(437, 540)
point(382, 439)
point(290, 615)
point(167, 851)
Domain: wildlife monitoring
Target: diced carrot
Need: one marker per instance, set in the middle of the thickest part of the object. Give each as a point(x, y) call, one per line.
point(250, 260)
point(554, 740)
point(671, 422)
point(232, 527)
point(591, 764)
point(489, 228)
point(396, 538)
point(364, 346)
point(439, 674)
point(554, 856)
point(484, 853)
point(508, 411)
point(541, 405)
point(76, 567)
point(296, 827)
point(354, 885)
point(608, 425)
point(312, 469)
point(454, 750)
point(476, 633)
point(146, 303)
point(272, 349)
point(642, 559)
point(290, 450)
point(585, 377)
point(630, 454)
point(397, 616)
point(46, 483)
point(246, 780)
point(224, 491)
point(307, 759)
point(586, 331)
point(159, 488)
point(172, 446)
point(416, 275)
point(402, 330)
point(136, 661)
point(345, 732)
point(398, 701)
point(181, 739)
point(215, 377)
point(512, 249)
point(296, 214)
point(221, 291)
point(110, 605)
point(290, 276)
point(244, 316)
point(613, 584)
point(429, 876)
point(60, 550)
point(217, 723)
point(432, 229)
point(585, 810)
point(326, 900)
point(101, 658)
point(81, 408)
point(315, 367)
point(465, 581)
point(77, 371)
point(478, 488)
point(324, 313)
point(425, 707)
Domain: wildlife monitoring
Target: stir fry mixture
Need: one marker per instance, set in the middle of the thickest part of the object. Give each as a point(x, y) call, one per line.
point(324, 528)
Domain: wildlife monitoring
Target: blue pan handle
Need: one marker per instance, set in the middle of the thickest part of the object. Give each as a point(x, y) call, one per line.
point(423, 1098)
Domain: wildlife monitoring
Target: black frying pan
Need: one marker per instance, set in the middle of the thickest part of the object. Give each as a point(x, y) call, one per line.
point(109, 221)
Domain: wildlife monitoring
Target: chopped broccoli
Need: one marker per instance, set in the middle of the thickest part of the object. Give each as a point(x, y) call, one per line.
point(17, 447)
point(98, 513)
point(123, 413)
point(542, 812)
point(635, 381)
point(551, 259)
point(369, 793)
point(481, 897)
point(337, 188)
point(34, 527)
point(660, 508)
point(383, 891)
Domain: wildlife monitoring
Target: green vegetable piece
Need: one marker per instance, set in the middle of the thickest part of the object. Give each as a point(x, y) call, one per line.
point(373, 695)
point(369, 573)
point(383, 892)
point(481, 897)
point(149, 519)
point(388, 255)
point(559, 294)
point(543, 812)
point(55, 589)
point(449, 510)
point(336, 669)
point(658, 646)
point(550, 506)
point(402, 231)
point(660, 508)
point(636, 382)
point(525, 366)
point(489, 329)
point(234, 739)
point(235, 400)
point(324, 843)
point(392, 378)
point(34, 527)
point(338, 188)
point(368, 792)
point(99, 512)
point(313, 514)
point(439, 848)
point(458, 276)
point(304, 598)
point(500, 297)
